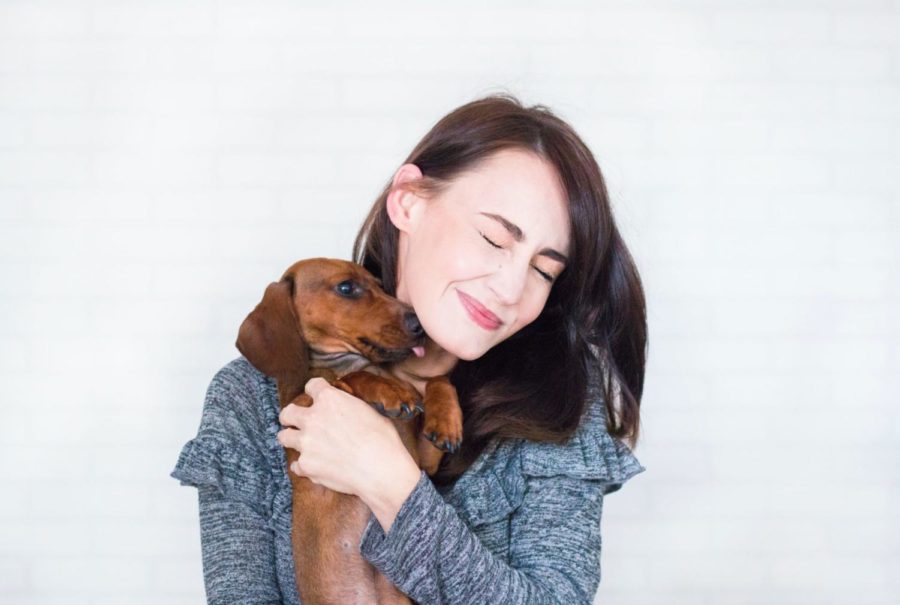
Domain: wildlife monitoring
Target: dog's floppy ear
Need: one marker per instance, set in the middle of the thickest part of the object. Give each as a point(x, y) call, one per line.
point(270, 337)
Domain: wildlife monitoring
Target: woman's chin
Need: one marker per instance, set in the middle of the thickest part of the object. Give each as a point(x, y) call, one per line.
point(466, 341)
point(466, 353)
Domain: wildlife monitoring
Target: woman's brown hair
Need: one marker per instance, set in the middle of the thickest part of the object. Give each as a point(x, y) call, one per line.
point(593, 328)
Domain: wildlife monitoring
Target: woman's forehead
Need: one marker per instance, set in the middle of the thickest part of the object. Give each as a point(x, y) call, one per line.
point(525, 195)
point(518, 181)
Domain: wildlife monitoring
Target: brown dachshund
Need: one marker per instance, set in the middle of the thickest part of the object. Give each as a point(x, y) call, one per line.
point(330, 318)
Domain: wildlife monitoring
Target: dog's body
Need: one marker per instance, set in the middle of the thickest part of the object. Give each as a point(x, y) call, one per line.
point(330, 318)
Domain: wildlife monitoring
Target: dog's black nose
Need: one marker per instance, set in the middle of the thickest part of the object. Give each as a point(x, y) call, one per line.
point(413, 325)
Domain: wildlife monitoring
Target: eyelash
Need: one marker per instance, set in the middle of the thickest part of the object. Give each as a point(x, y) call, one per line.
point(544, 275)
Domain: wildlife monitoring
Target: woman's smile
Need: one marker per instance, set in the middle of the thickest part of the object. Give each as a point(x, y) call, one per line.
point(479, 313)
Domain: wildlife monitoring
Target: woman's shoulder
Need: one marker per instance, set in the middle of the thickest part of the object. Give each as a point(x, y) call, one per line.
point(591, 453)
point(236, 436)
point(241, 392)
point(239, 378)
point(496, 483)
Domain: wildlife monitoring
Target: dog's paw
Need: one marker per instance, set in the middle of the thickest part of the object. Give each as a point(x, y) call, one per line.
point(444, 433)
point(398, 400)
point(389, 396)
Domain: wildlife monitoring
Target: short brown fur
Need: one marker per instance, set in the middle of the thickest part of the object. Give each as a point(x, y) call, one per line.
point(296, 333)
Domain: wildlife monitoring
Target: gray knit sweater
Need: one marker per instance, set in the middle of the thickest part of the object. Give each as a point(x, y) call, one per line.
point(521, 525)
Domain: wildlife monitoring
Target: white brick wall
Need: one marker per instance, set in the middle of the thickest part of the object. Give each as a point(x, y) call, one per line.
point(160, 162)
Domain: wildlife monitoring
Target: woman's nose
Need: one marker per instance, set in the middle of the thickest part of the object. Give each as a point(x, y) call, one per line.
point(508, 282)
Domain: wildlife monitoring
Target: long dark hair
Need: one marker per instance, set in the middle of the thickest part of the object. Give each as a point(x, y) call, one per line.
point(593, 328)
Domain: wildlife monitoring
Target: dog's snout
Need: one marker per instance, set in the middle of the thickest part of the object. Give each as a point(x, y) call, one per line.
point(413, 325)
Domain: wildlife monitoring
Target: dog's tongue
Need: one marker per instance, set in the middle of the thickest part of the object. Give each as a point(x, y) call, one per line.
point(419, 351)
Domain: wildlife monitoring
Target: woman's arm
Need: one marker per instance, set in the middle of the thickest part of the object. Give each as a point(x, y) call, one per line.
point(432, 555)
point(238, 551)
point(227, 465)
point(385, 500)
point(428, 551)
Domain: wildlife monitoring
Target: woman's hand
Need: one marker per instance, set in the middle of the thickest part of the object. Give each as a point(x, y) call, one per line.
point(345, 445)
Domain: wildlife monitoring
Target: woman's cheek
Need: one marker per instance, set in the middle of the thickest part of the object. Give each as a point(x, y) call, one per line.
point(472, 260)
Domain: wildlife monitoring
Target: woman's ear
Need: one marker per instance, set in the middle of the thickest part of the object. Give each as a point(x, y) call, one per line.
point(403, 204)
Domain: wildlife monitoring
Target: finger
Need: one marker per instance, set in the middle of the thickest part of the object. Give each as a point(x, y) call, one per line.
point(291, 415)
point(289, 438)
point(315, 385)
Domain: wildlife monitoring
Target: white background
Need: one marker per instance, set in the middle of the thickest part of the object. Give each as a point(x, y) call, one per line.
point(162, 161)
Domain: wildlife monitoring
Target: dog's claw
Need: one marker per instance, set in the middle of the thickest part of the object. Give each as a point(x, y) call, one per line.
point(445, 445)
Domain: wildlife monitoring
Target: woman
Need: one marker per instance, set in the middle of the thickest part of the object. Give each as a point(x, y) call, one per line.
point(498, 231)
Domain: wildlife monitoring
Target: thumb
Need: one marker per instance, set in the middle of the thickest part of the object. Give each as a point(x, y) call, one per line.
point(315, 385)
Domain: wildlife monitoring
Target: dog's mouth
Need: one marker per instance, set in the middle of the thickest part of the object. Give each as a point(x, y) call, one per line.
point(381, 354)
point(342, 361)
point(334, 356)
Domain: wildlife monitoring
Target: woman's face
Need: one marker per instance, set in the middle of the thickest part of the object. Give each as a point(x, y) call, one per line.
point(475, 261)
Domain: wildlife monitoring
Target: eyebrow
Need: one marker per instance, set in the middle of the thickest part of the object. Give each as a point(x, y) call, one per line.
point(519, 236)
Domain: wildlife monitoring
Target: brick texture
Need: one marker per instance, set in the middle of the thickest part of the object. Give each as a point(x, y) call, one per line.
point(161, 162)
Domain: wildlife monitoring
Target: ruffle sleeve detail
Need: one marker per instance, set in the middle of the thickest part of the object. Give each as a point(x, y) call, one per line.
point(205, 461)
point(591, 453)
point(198, 464)
point(225, 453)
point(495, 485)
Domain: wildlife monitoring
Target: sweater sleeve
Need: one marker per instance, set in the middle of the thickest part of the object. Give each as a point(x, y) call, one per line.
point(555, 497)
point(433, 556)
point(226, 466)
point(237, 547)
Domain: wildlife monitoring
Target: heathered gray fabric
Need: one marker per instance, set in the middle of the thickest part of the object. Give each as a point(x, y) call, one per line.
point(521, 525)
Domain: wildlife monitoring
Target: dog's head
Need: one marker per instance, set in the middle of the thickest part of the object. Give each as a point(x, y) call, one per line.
point(327, 311)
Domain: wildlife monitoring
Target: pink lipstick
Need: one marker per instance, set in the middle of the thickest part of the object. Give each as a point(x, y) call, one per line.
point(479, 313)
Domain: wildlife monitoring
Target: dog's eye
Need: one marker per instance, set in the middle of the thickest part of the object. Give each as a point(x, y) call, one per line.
point(349, 289)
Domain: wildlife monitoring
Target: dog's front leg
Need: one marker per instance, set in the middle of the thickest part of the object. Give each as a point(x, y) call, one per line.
point(391, 397)
point(443, 417)
point(442, 429)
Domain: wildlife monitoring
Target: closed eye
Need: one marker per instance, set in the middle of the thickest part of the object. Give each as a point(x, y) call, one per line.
point(549, 278)
point(546, 276)
point(489, 241)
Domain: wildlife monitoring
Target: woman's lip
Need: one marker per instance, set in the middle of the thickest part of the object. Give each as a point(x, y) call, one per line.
point(482, 316)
